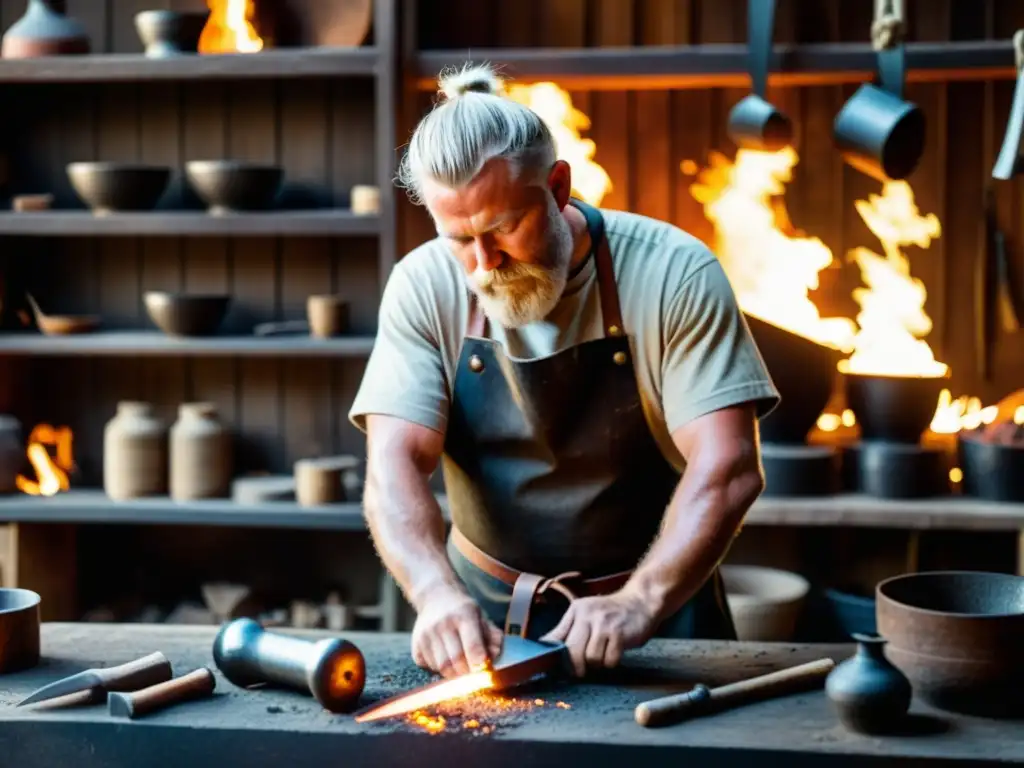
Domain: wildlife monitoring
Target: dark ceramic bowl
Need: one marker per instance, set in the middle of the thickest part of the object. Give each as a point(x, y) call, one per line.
point(992, 471)
point(107, 187)
point(182, 314)
point(170, 33)
point(230, 185)
point(19, 630)
point(958, 637)
point(803, 371)
point(896, 409)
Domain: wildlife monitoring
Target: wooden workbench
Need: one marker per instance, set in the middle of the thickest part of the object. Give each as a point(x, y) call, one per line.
point(592, 725)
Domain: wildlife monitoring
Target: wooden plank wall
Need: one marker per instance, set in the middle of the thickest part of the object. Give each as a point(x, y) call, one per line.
point(322, 133)
point(642, 138)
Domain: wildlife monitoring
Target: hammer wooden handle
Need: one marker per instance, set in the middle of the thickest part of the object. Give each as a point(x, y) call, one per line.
point(673, 709)
point(194, 685)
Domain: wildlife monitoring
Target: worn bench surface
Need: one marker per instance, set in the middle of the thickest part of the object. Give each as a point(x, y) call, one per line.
point(552, 724)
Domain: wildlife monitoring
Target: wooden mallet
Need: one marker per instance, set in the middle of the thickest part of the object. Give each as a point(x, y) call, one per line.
point(702, 700)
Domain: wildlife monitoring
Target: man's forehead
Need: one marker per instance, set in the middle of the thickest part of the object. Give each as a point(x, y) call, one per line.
point(474, 209)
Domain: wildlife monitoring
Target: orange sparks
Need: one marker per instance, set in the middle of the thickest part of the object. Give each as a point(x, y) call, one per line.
point(457, 688)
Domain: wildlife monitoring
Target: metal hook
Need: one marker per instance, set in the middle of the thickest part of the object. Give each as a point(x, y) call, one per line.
point(1009, 162)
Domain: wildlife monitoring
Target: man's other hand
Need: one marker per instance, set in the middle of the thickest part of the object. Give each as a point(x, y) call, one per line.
point(596, 630)
point(452, 636)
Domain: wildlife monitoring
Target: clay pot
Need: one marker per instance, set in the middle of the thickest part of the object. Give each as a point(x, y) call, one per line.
point(12, 453)
point(869, 693)
point(765, 602)
point(43, 31)
point(324, 480)
point(170, 33)
point(201, 454)
point(327, 315)
point(134, 453)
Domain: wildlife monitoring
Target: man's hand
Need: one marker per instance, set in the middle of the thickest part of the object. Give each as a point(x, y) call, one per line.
point(452, 636)
point(596, 630)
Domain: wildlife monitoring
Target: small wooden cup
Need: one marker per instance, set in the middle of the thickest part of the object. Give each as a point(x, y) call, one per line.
point(365, 200)
point(319, 481)
point(327, 315)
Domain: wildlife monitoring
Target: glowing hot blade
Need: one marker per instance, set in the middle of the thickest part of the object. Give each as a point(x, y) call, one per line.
point(434, 694)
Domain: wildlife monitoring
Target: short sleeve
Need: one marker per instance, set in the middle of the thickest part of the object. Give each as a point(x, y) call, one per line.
point(404, 376)
point(710, 360)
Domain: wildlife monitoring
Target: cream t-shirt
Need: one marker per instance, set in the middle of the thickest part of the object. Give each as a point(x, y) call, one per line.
point(692, 350)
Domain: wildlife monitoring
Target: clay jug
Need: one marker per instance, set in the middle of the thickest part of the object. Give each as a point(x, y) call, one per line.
point(134, 453)
point(201, 455)
point(869, 693)
point(12, 453)
point(43, 31)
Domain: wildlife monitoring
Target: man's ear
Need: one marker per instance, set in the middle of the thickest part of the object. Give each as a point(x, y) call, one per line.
point(560, 183)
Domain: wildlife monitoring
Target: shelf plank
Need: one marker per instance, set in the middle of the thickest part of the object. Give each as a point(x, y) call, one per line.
point(326, 223)
point(155, 343)
point(93, 506)
point(723, 65)
point(278, 63)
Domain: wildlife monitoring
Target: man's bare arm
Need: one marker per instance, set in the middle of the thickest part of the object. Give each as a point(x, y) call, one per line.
point(402, 513)
point(451, 635)
point(723, 478)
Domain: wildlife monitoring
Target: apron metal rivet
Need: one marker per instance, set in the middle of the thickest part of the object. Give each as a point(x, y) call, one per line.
point(614, 330)
point(619, 358)
point(476, 364)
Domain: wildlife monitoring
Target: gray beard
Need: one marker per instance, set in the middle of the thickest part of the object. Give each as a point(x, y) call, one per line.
point(521, 294)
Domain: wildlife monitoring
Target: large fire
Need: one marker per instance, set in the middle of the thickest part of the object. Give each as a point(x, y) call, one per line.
point(554, 105)
point(892, 321)
point(771, 265)
point(229, 28)
point(51, 471)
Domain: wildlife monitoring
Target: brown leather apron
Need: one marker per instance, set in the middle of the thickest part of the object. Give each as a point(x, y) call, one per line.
point(556, 486)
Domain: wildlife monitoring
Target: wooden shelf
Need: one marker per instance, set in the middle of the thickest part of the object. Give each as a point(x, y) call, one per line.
point(155, 343)
point(326, 223)
point(281, 62)
point(723, 66)
point(93, 506)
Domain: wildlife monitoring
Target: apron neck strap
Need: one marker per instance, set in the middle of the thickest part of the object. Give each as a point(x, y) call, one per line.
point(611, 313)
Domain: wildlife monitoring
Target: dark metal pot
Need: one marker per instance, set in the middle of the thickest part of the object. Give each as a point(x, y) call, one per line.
point(992, 471)
point(19, 630)
point(959, 637)
point(893, 408)
point(803, 372)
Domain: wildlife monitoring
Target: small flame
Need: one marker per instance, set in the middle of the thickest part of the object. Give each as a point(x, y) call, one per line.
point(830, 422)
point(892, 321)
point(771, 265)
point(51, 472)
point(229, 28)
point(554, 105)
point(455, 688)
point(952, 416)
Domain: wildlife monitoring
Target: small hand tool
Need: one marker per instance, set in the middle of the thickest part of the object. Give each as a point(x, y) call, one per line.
point(519, 662)
point(194, 685)
point(702, 700)
point(332, 670)
point(131, 676)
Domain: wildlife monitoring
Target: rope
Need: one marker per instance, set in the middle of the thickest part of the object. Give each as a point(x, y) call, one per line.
point(887, 29)
point(1018, 48)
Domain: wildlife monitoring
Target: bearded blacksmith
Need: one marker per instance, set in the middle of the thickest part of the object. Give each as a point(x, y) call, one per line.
point(587, 384)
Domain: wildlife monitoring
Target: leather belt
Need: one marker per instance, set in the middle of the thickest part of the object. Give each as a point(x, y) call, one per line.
point(529, 587)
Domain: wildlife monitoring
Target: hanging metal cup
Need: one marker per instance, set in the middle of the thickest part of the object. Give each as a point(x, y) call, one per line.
point(753, 122)
point(1009, 162)
point(878, 132)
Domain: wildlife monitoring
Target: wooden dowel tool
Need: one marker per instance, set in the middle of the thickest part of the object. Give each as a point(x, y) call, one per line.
point(195, 685)
point(702, 700)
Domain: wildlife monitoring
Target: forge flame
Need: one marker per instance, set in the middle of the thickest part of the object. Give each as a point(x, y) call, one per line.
point(892, 321)
point(554, 105)
point(771, 265)
point(51, 471)
point(456, 688)
point(229, 28)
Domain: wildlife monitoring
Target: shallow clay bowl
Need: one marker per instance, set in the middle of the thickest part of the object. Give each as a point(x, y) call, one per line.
point(182, 314)
point(170, 33)
point(19, 630)
point(958, 636)
point(62, 325)
point(107, 187)
point(229, 185)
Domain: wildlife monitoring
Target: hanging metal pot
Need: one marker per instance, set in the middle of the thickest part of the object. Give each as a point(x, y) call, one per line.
point(878, 132)
point(753, 122)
